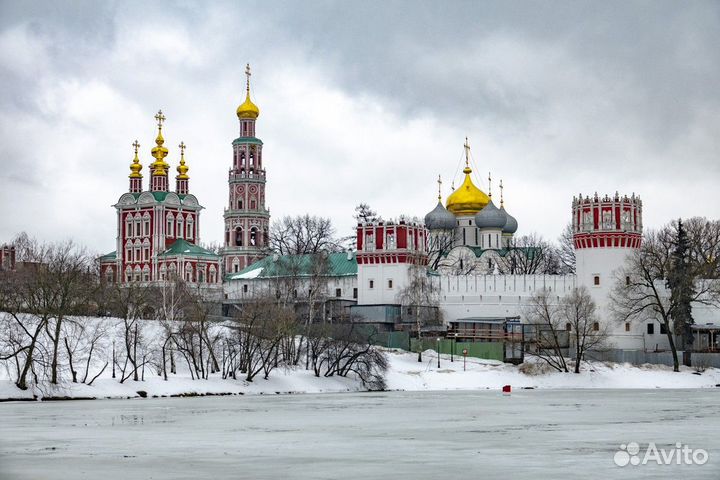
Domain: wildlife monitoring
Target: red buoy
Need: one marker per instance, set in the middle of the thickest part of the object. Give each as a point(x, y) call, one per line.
point(507, 389)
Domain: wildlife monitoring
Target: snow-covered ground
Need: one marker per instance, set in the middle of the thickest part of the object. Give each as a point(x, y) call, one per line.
point(405, 374)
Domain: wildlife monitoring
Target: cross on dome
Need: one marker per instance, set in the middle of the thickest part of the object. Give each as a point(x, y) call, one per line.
point(160, 119)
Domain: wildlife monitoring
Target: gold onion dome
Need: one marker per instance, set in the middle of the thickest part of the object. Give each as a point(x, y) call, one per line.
point(159, 152)
point(182, 168)
point(467, 199)
point(248, 109)
point(135, 166)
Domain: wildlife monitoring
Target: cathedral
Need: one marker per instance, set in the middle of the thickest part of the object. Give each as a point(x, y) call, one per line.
point(464, 247)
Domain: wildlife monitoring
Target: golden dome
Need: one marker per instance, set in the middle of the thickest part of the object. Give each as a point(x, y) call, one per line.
point(248, 109)
point(159, 152)
point(135, 166)
point(468, 199)
point(182, 168)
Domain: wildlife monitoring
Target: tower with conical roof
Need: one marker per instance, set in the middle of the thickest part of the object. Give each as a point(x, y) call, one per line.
point(246, 217)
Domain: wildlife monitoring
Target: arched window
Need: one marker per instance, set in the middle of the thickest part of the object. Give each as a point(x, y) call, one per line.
point(188, 273)
point(190, 224)
point(179, 226)
point(137, 251)
point(163, 272)
point(128, 251)
point(128, 227)
point(146, 274)
point(146, 250)
point(146, 224)
point(238, 237)
point(253, 236)
point(213, 274)
point(138, 273)
point(240, 204)
point(128, 273)
point(138, 226)
point(236, 265)
point(172, 271)
point(170, 225)
point(201, 275)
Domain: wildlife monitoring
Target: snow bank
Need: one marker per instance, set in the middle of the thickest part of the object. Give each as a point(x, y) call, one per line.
point(405, 373)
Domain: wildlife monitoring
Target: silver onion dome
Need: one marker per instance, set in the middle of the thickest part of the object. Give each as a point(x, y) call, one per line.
point(440, 219)
point(490, 217)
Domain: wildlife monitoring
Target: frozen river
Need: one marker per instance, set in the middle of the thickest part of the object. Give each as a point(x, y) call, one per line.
point(454, 435)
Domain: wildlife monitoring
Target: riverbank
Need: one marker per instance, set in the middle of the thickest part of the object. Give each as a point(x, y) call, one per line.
point(405, 373)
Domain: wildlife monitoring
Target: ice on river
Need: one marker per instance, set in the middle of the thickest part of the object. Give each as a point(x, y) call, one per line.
point(532, 434)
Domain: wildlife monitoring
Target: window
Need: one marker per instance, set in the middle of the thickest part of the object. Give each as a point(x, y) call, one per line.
point(245, 288)
point(627, 327)
point(390, 244)
point(238, 237)
point(189, 225)
point(338, 292)
point(651, 328)
point(180, 227)
point(355, 292)
point(253, 236)
point(596, 327)
point(389, 283)
point(627, 280)
point(663, 329)
point(372, 284)
point(128, 227)
point(369, 242)
point(596, 280)
point(568, 327)
point(170, 225)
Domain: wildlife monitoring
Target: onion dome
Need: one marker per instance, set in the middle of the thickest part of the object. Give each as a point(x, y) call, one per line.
point(490, 217)
point(440, 219)
point(511, 225)
point(182, 169)
point(159, 152)
point(468, 199)
point(135, 166)
point(248, 109)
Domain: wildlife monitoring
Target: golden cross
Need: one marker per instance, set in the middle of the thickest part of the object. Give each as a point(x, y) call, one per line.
point(439, 181)
point(182, 149)
point(467, 152)
point(137, 146)
point(160, 118)
point(247, 73)
point(489, 185)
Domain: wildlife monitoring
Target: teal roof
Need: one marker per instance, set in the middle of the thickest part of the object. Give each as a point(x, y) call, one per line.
point(108, 257)
point(254, 140)
point(297, 265)
point(183, 247)
point(478, 251)
point(159, 196)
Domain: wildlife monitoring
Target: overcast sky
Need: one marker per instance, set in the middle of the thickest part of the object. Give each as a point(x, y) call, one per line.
point(360, 102)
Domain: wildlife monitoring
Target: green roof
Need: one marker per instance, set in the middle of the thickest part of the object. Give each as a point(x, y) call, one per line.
point(160, 196)
point(109, 257)
point(254, 140)
point(183, 247)
point(478, 251)
point(338, 265)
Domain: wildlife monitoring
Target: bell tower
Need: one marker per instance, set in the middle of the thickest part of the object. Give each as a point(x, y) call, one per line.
point(246, 217)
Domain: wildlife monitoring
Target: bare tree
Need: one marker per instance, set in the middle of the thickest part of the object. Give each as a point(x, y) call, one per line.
point(566, 250)
point(439, 245)
point(547, 330)
point(529, 254)
point(577, 310)
point(303, 234)
point(422, 296)
point(639, 292)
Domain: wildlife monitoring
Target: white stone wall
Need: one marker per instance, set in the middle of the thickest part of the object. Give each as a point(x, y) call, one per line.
point(381, 274)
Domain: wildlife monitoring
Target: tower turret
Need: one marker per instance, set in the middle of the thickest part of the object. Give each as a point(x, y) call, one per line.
point(246, 217)
point(181, 180)
point(159, 168)
point(135, 169)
